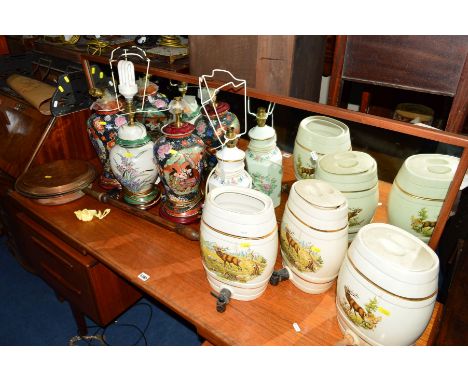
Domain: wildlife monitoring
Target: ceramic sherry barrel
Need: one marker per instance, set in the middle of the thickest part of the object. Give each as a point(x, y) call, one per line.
point(317, 136)
point(238, 240)
point(314, 234)
point(354, 173)
point(418, 192)
point(387, 286)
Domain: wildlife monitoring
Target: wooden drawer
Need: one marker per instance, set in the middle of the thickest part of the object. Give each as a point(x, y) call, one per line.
point(88, 285)
point(62, 267)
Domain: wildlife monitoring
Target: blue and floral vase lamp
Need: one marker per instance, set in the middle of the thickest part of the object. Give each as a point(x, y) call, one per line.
point(179, 154)
point(155, 112)
point(102, 128)
point(131, 158)
point(264, 159)
point(192, 110)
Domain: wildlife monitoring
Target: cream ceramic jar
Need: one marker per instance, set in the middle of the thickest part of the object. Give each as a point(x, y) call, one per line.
point(230, 169)
point(418, 192)
point(317, 136)
point(239, 241)
point(354, 173)
point(387, 286)
point(314, 234)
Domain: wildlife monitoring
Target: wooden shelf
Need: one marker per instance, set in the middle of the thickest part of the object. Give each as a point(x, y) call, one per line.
point(128, 246)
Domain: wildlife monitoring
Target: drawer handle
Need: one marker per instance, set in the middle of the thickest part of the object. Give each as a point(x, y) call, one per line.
point(19, 107)
point(59, 279)
point(51, 251)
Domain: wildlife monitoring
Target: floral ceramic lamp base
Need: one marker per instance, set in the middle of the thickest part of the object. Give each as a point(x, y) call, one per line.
point(186, 217)
point(143, 200)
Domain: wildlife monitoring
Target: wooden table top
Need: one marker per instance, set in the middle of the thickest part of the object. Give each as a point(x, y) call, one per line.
point(130, 246)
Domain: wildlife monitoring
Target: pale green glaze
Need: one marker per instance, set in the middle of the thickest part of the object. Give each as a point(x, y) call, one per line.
point(265, 162)
point(322, 135)
point(353, 173)
point(418, 192)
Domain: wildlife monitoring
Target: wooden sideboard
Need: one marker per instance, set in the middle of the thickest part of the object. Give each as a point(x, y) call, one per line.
point(128, 246)
point(28, 138)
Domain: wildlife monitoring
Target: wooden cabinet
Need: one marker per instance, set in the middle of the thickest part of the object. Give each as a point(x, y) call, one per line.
point(90, 287)
point(28, 138)
point(210, 326)
point(286, 65)
point(394, 69)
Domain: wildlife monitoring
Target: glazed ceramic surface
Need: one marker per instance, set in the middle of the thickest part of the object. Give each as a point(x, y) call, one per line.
point(133, 165)
point(314, 234)
point(207, 127)
point(179, 156)
point(239, 241)
point(102, 130)
point(353, 173)
point(154, 114)
point(265, 162)
point(317, 136)
point(229, 170)
point(387, 286)
point(418, 192)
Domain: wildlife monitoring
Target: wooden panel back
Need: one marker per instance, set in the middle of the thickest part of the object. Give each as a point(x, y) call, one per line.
point(68, 139)
point(238, 54)
point(274, 63)
point(21, 127)
point(430, 64)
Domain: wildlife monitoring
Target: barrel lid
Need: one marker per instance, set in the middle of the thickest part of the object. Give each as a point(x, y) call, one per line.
point(349, 163)
point(319, 193)
point(323, 135)
point(427, 175)
point(395, 261)
point(348, 171)
point(395, 248)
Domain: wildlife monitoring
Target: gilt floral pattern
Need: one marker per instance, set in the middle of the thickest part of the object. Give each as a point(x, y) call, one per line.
point(102, 131)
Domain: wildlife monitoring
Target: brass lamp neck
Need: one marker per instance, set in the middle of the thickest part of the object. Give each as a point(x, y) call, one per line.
point(231, 136)
point(130, 111)
point(96, 92)
point(261, 116)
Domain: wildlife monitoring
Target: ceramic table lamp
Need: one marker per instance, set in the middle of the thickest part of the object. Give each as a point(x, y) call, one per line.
point(179, 155)
point(264, 159)
point(216, 118)
point(131, 158)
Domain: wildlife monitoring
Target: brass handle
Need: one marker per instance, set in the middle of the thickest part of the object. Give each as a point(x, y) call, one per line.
point(19, 107)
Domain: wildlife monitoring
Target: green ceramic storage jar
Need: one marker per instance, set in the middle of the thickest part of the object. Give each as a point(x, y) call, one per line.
point(316, 136)
point(354, 173)
point(418, 192)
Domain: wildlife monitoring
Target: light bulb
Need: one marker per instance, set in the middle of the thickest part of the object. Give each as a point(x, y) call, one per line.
point(127, 85)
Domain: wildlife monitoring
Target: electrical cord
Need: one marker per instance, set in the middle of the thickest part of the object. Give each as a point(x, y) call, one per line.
point(100, 333)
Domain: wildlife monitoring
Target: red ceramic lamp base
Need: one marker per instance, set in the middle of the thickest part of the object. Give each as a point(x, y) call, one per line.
point(189, 217)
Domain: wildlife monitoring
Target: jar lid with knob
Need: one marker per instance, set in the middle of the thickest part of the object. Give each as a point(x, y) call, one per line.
point(395, 260)
point(349, 171)
point(427, 175)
